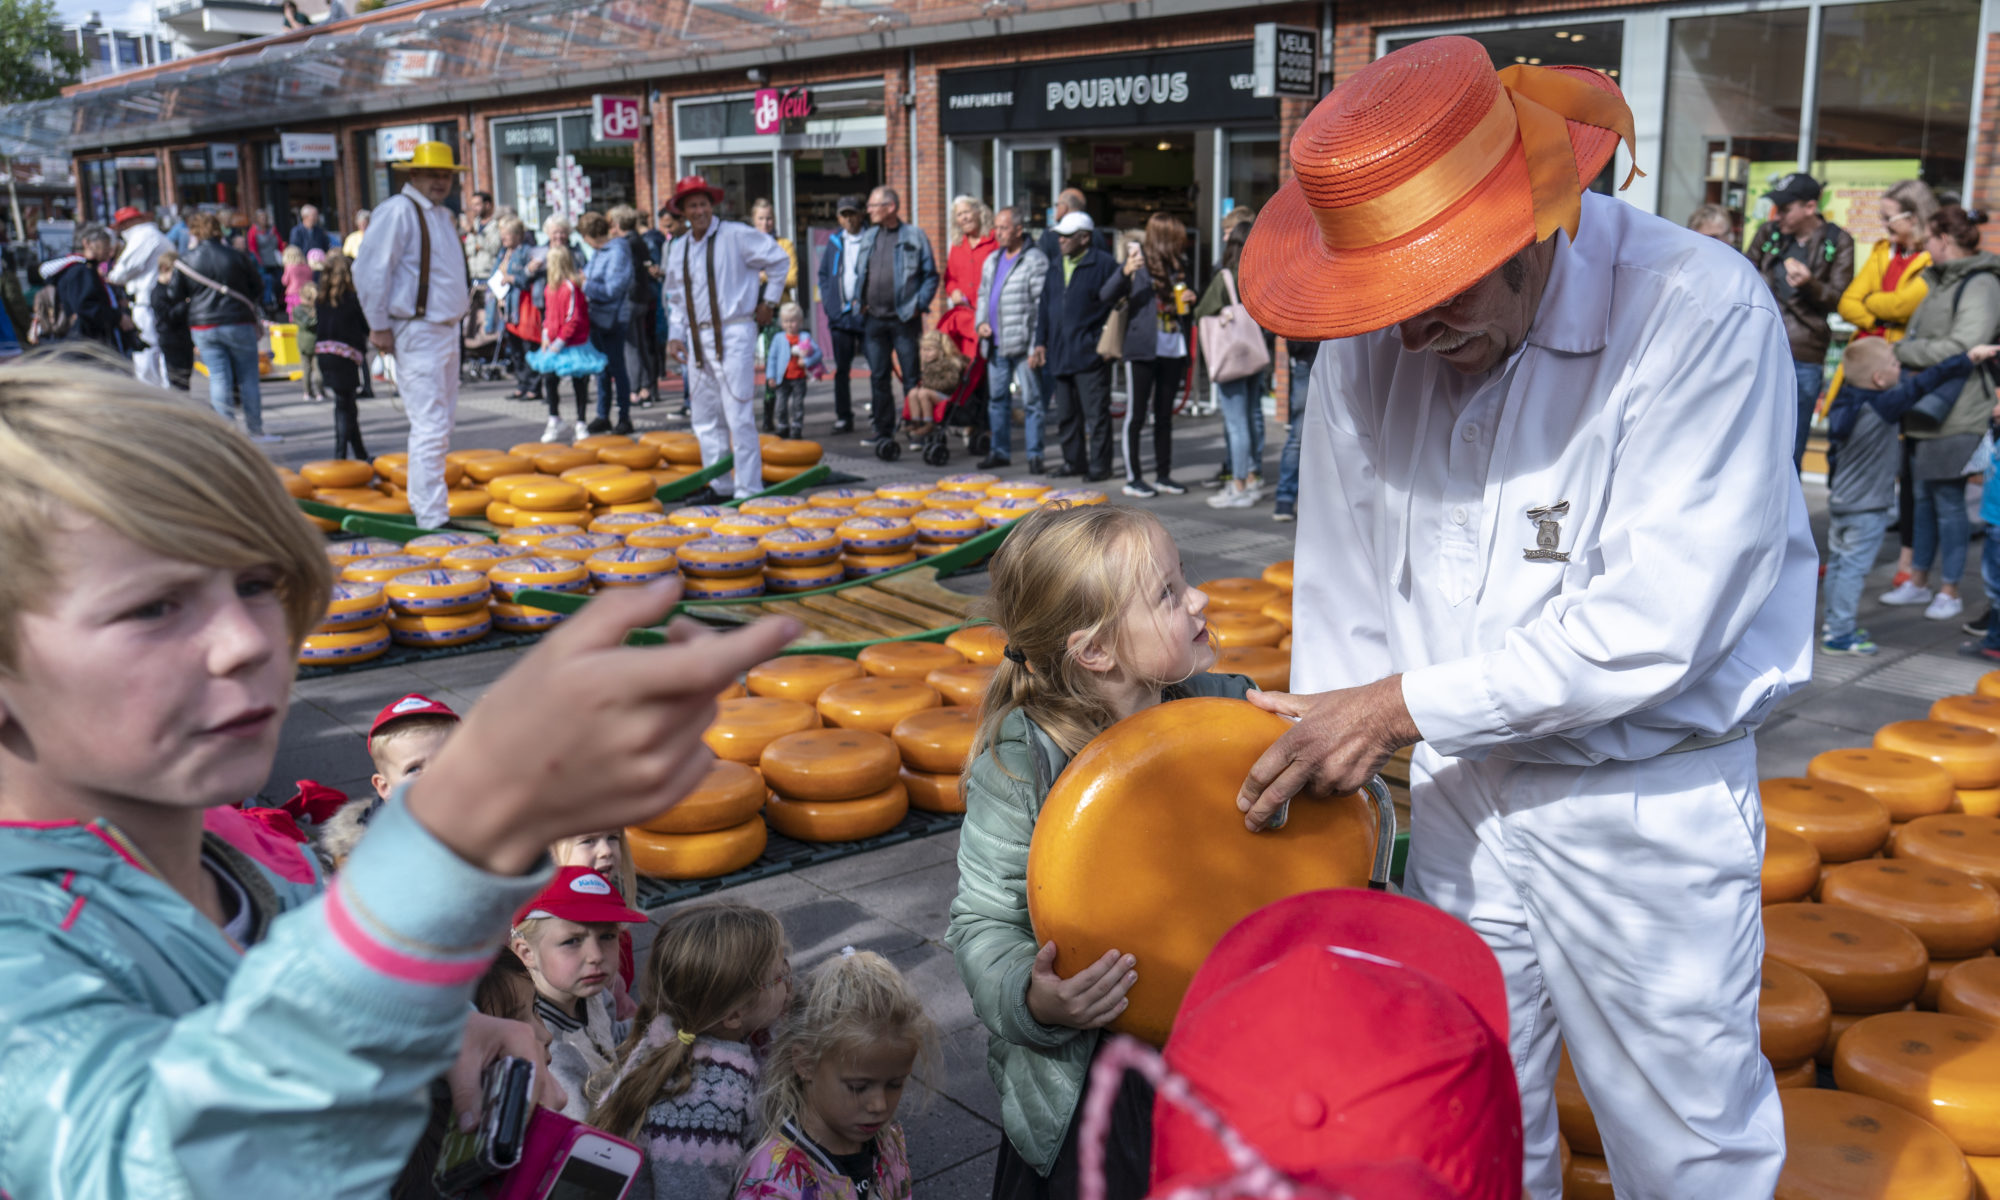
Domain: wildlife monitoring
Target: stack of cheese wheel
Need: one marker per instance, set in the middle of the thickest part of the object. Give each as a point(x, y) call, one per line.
point(781, 507)
point(800, 677)
point(742, 524)
point(722, 568)
point(1988, 685)
point(906, 489)
point(1971, 755)
point(630, 566)
point(677, 448)
point(963, 685)
point(482, 557)
point(1791, 866)
point(330, 474)
point(971, 481)
point(439, 606)
point(577, 547)
point(982, 644)
point(1842, 1145)
point(1227, 629)
point(1972, 989)
point(1587, 1174)
point(525, 538)
point(1246, 636)
point(875, 703)
point(699, 517)
point(295, 484)
point(939, 529)
point(788, 458)
point(342, 551)
point(887, 506)
point(966, 499)
point(1940, 1067)
point(820, 517)
point(1841, 822)
point(1980, 712)
point(438, 545)
point(717, 828)
point(906, 660)
point(1793, 1017)
point(354, 629)
point(801, 560)
point(834, 785)
point(1072, 498)
point(1279, 573)
point(1952, 913)
point(1959, 841)
point(839, 497)
point(1864, 963)
point(1000, 510)
point(1908, 787)
point(1017, 489)
point(517, 575)
point(662, 536)
point(623, 525)
point(381, 568)
point(935, 744)
point(744, 726)
point(876, 545)
point(549, 502)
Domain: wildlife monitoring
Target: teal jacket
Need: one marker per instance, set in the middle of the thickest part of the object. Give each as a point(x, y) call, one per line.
point(147, 1055)
point(1039, 1069)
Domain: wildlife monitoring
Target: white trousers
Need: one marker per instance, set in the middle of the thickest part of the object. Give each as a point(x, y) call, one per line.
point(1624, 904)
point(721, 400)
point(147, 362)
point(427, 376)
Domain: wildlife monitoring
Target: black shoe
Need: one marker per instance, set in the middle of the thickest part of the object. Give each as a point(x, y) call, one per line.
point(1979, 625)
point(995, 460)
point(1165, 483)
point(1035, 465)
point(845, 425)
point(623, 426)
point(1096, 477)
point(685, 412)
point(599, 425)
point(1063, 472)
point(1140, 489)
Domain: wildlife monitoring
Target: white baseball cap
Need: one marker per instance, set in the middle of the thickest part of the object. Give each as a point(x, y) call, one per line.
point(1074, 222)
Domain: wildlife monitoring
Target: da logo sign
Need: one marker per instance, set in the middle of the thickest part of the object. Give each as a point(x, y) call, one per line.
point(772, 108)
point(614, 118)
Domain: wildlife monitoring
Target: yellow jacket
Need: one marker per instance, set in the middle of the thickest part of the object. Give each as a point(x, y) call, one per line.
point(1865, 304)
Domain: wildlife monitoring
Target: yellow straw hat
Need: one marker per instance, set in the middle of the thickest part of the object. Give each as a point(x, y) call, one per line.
point(429, 156)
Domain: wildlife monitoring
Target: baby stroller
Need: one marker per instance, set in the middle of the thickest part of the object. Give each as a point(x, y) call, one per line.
point(482, 357)
point(929, 434)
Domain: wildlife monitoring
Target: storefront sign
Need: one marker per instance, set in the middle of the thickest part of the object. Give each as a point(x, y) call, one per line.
point(222, 156)
point(308, 147)
point(1107, 159)
point(398, 143)
point(614, 118)
point(1177, 87)
point(408, 66)
point(773, 108)
point(130, 162)
point(1286, 61)
point(191, 162)
point(528, 135)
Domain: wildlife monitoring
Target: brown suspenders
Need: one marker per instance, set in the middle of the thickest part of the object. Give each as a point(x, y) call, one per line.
point(424, 265)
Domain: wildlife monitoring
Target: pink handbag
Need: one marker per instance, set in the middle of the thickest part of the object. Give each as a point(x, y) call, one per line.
point(1231, 343)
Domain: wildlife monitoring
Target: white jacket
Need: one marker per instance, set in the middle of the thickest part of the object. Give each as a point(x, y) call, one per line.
point(385, 273)
point(139, 262)
point(741, 254)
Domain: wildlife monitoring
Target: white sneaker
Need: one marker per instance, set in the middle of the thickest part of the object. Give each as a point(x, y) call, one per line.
point(1234, 495)
point(267, 439)
point(1944, 608)
point(553, 431)
point(1906, 593)
point(582, 430)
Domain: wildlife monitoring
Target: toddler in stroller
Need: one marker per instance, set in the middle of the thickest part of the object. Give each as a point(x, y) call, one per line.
point(946, 395)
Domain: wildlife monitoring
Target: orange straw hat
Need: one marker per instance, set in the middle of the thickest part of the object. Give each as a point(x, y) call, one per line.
point(1419, 176)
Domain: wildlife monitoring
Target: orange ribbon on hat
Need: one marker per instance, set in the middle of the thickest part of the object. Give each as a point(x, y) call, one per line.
point(1532, 111)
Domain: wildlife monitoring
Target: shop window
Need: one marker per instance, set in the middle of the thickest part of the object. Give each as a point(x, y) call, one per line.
point(972, 169)
point(532, 161)
point(743, 182)
point(1894, 101)
point(379, 148)
point(1253, 173)
point(1127, 180)
point(716, 119)
point(606, 166)
point(1734, 87)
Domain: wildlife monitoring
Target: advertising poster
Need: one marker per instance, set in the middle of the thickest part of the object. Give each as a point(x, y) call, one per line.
point(1850, 195)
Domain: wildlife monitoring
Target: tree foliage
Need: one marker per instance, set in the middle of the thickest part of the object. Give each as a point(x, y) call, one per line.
point(35, 63)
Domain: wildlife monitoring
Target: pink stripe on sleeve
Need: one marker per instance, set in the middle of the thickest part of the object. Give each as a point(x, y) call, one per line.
point(390, 961)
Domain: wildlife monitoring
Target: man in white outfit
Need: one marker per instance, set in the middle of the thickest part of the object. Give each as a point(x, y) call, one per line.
point(412, 283)
point(137, 270)
point(1547, 534)
point(715, 305)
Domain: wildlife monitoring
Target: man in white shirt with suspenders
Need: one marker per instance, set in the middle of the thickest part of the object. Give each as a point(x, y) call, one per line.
point(413, 287)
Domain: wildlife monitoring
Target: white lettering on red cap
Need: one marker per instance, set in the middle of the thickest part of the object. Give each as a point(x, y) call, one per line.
point(410, 704)
point(590, 885)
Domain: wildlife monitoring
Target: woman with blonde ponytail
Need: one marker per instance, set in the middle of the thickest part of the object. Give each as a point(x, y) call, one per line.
point(1100, 624)
point(686, 1077)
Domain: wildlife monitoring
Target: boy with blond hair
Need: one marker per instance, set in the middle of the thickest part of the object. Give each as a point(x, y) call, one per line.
point(567, 937)
point(404, 738)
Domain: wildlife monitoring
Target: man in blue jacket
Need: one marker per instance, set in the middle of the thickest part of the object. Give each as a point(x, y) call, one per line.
point(1077, 298)
point(897, 277)
point(840, 299)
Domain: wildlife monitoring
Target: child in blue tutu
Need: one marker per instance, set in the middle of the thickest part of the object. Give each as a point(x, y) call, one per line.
point(566, 351)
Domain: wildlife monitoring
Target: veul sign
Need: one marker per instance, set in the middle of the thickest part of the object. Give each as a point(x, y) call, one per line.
point(1286, 61)
point(773, 109)
point(1174, 87)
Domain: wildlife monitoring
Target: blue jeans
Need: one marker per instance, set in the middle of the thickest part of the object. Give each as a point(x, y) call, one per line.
point(1943, 529)
point(1989, 571)
point(1288, 458)
point(1000, 372)
point(1810, 376)
point(1235, 400)
point(230, 352)
point(610, 342)
point(1257, 421)
point(1853, 542)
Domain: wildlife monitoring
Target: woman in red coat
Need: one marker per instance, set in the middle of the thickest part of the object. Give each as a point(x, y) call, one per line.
point(974, 222)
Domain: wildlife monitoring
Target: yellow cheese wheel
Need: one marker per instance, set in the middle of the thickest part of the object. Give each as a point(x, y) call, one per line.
point(830, 764)
point(636, 455)
point(875, 704)
point(1239, 595)
point(945, 498)
point(448, 629)
point(948, 524)
point(883, 506)
point(1985, 1176)
point(999, 510)
point(1226, 629)
point(1279, 573)
point(697, 516)
point(663, 537)
point(628, 488)
point(1072, 498)
point(962, 685)
point(437, 545)
point(750, 525)
point(1864, 963)
point(1793, 1015)
point(1573, 1116)
point(388, 464)
point(820, 518)
point(1907, 786)
point(491, 467)
point(1805, 1075)
point(1980, 712)
point(1937, 1066)
point(970, 481)
point(681, 449)
point(1980, 802)
point(1285, 643)
point(461, 457)
point(501, 513)
point(527, 537)
point(791, 546)
point(877, 535)
point(437, 591)
point(1952, 913)
point(742, 728)
point(1017, 489)
point(1588, 1177)
point(599, 441)
point(1960, 841)
point(1972, 989)
point(502, 486)
point(800, 677)
point(1267, 666)
point(840, 497)
point(937, 740)
point(721, 556)
point(352, 605)
point(1845, 1147)
point(696, 855)
point(345, 497)
point(722, 587)
point(1791, 866)
point(1280, 610)
point(1989, 684)
point(774, 506)
point(907, 660)
point(839, 820)
point(555, 495)
point(1940, 970)
point(398, 505)
point(575, 521)
point(296, 485)
point(341, 647)
point(792, 452)
point(522, 618)
point(727, 796)
point(382, 568)
point(577, 547)
point(938, 793)
point(776, 474)
point(1841, 822)
point(982, 644)
point(554, 460)
point(527, 450)
point(621, 524)
point(1838, 1025)
point(923, 550)
point(646, 507)
point(481, 557)
point(1971, 754)
point(863, 566)
point(543, 574)
point(347, 550)
point(906, 489)
point(337, 473)
point(803, 579)
point(630, 566)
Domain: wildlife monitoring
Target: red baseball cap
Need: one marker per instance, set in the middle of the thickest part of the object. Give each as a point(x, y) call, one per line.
point(416, 704)
point(126, 216)
point(582, 895)
point(1348, 1028)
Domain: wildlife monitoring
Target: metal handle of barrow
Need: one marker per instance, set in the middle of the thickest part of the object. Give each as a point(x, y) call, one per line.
point(1385, 836)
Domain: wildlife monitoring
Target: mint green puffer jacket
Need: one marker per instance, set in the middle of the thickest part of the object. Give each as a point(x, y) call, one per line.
point(1039, 1069)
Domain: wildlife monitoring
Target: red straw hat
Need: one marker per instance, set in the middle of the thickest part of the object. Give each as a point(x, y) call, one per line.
point(1417, 177)
point(692, 185)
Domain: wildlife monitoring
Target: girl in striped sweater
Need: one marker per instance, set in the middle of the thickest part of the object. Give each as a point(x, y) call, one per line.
point(687, 1076)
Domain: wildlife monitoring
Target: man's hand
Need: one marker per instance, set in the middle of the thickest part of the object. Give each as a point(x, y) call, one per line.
point(764, 314)
point(1038, 358)
point(1340, 740)
point(1088, 999)
point(1796, 273)
point(488, 1038)
point(383, 340)
point(677, 352)
point(1980, 354)
point(985, 330)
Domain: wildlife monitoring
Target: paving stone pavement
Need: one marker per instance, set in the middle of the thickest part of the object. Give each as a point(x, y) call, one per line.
point(895, 900)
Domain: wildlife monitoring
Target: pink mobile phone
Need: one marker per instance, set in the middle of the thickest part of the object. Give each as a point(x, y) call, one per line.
point(598, 1168)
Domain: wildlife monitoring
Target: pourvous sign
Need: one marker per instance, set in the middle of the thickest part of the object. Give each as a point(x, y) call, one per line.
point(1179, 87)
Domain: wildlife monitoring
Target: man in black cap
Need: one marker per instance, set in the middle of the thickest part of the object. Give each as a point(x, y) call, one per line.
point(838, 295)
point(1808, 262)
